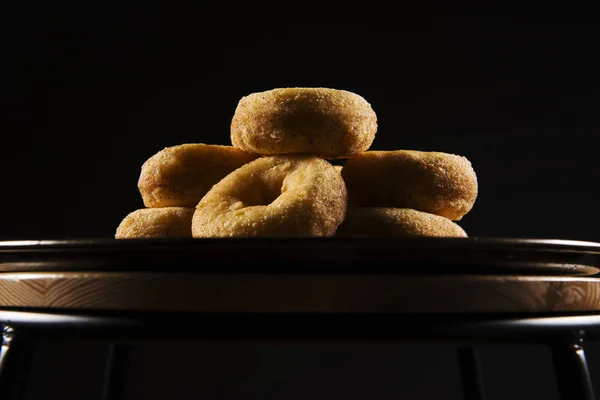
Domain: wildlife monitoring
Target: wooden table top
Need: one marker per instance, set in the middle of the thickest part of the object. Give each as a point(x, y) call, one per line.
point(295, 276)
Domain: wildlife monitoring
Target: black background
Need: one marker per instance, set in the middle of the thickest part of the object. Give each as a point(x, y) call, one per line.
point(91, 91)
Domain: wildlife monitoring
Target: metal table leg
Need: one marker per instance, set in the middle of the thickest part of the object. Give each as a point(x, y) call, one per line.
point(115, 370)
point(470, 373)
point(571, 369)
point(15, 361)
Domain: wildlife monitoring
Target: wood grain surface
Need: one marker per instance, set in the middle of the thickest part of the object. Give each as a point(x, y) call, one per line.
point(288, 293)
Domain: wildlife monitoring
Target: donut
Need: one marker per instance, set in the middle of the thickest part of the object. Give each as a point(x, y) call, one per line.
point(329, 123)
point(433, 182)
point(294, 195)
point(397, 222)
point(178, 176)
point(156, 223)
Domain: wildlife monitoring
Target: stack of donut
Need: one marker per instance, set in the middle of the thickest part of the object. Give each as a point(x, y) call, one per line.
point(277, 177)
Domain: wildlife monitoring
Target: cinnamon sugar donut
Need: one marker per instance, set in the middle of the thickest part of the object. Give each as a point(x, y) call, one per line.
point(274, 196)
point(329, 123)
point(180, 175)
point(156, 223)
point(398, 222)
point(434, 182)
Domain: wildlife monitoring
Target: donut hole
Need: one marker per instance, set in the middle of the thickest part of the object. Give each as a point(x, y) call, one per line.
point(263, 192)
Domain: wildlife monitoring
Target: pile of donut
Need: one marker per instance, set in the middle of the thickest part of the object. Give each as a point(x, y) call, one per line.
point(280, 177)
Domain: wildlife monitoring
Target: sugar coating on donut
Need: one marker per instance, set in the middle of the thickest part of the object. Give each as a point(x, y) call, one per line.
point(397, 222)
point(156, 223)
point(438, 183)
point(292, 195)
point(325, 122)
point(180, 175)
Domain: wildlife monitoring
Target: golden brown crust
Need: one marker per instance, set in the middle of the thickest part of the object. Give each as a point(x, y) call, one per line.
point(397, 222)
point(438, 183)
point(274, 196)
point(329, 123)
point(156, 223)
point(181, 175)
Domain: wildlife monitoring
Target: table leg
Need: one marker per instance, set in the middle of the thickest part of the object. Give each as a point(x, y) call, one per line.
point(470, 373)
point(115, 371)
point(571, 369)
point(15, 361)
